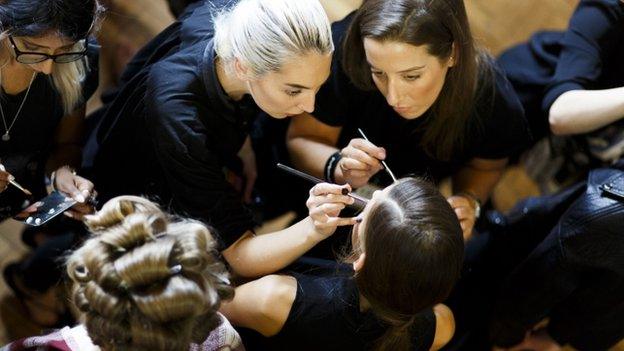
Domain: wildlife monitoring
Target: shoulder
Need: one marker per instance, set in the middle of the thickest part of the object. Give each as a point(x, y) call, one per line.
point(275, 296)
point(445, 326)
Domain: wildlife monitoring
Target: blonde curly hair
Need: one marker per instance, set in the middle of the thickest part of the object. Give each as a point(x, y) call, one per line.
point(145, 280)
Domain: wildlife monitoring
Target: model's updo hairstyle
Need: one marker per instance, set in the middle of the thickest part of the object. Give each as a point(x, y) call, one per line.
point(146, 281)
point(264, 34)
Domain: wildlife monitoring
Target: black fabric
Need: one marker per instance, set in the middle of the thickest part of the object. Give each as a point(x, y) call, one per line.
point(32, 136)
point(171, 133)
point(325, 315)
point(587, 56)
point(496, 129)
point(575, 274)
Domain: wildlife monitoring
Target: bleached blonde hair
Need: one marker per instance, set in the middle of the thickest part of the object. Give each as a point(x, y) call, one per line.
point(264, 34)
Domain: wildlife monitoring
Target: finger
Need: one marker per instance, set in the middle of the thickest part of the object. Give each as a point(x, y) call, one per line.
point(458, 201)
point(365, 175)
point(322, 212)
point(362, 156)
point(339, 221)
point(369, 148)
point(328, 188)
point(84, 185)
point(5, 176)
point(464, 212)
point(333, 198)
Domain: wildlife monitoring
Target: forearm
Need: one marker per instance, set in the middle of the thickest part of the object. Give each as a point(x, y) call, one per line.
point(583, 111)
point(257, 255)
point(479, 180)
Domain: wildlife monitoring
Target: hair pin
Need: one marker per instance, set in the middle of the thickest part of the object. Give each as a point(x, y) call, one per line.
point(175, 269)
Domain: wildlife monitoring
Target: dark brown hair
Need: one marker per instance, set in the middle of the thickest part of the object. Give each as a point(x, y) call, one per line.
point(146, 282)
point(414, 254)
point(438, 24)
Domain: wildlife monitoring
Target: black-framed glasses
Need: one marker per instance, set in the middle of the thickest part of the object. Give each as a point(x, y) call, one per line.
point(30, 58)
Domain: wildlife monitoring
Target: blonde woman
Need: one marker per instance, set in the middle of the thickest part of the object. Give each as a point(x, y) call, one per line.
point(183, 118)
point(144, 281)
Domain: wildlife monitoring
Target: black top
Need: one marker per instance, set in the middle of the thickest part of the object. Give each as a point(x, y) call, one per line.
point(497, 128)
point(171, 132)
point(326, 316)
point(588, 55)
point(32, 135)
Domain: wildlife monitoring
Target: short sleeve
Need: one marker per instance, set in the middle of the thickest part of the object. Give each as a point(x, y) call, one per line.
point(192, 169)
point(500, 128)
point(594, 31)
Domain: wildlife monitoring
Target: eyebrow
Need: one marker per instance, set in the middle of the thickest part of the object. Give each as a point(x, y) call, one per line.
point(415, 68)
point(46, 47)
point(297, 86)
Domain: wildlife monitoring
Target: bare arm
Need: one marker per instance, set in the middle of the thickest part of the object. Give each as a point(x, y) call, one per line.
point(257, 255)
point(445, 326)
point(583, 111)
point(310, 143)
point(262, 305)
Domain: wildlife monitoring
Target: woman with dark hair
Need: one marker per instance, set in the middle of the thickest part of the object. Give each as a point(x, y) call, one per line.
point(407, 255)
point(408, 73)
point(48, 69)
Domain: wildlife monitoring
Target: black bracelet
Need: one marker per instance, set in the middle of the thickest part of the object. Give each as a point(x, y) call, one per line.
point(330, 166)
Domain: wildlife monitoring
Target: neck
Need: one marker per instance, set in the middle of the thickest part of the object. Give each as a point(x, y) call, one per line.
point(234, 87)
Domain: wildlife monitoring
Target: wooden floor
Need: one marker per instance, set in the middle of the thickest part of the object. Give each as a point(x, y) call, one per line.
point(497, 24)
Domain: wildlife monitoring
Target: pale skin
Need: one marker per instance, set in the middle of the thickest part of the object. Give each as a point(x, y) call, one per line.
point(264, 304)
point(583, 111)
point(16, 78)
point(287, 92)
point(411, 80)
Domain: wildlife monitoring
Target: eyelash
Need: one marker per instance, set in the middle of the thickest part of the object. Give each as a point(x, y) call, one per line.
point(292, 93)
point(407, 78)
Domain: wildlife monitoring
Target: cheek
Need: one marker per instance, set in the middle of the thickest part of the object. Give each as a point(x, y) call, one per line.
point(267, 98)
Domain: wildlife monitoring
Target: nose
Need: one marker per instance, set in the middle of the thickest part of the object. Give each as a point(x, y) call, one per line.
point(307, 104)
point(46, 66)
point(393, 93)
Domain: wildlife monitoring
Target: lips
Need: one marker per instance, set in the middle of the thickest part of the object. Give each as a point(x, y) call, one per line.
point(401, 109)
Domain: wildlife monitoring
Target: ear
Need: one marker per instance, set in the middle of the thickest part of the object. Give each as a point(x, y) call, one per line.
point(241, 70)
point(454, 56)
point(359, 263)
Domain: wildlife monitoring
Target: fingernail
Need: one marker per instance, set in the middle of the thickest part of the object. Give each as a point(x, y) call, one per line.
point(68, 214)
point(80, 198)
point(358, 220)
point(85, 193)
point(11, 178)
point(345, 191)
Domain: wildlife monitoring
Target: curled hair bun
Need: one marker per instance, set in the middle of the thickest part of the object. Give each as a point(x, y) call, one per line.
point(146, 281)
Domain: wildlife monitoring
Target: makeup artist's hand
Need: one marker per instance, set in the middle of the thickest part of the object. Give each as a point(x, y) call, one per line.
point(465, 210)
point(325, 203)
point(4, 178)
point(360, 161)
point(79, 188)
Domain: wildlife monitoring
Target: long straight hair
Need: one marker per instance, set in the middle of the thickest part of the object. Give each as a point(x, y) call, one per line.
point(71, 19)
point(441, 25)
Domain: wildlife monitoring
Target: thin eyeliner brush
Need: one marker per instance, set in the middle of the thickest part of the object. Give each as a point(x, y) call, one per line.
point(382, 162)
point(315, 180)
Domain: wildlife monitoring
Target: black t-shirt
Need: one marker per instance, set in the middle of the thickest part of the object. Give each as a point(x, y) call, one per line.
point(326, 315)
point(587, 56)
point(171, 132)
point(32, 134)
point(496, 129)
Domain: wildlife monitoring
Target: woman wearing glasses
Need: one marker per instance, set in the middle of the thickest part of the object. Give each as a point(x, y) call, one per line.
point(48, 70)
